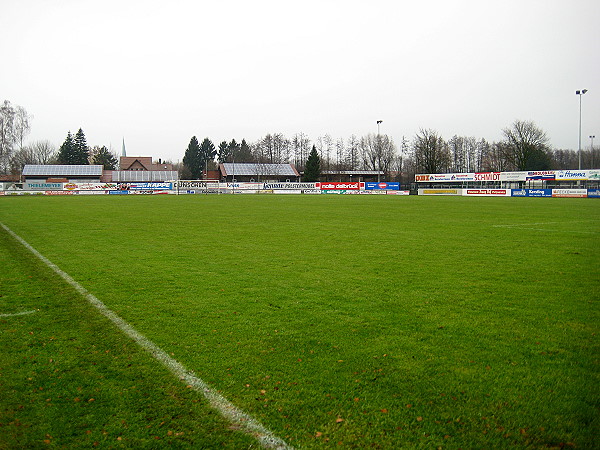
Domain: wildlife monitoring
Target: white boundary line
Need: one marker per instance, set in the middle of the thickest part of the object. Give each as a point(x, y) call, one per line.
point(236, 416)
point(18, 314)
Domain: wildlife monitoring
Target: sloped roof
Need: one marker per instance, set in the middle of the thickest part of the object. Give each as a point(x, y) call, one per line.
point(57, 170)
point(247, 169)
point(125, 162)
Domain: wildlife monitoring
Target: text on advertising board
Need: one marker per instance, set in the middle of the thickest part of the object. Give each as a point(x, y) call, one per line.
point(334, 185)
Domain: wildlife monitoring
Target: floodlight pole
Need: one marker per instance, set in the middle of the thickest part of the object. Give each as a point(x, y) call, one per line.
point(378, 148)
point(592, 149)
point(580, 93)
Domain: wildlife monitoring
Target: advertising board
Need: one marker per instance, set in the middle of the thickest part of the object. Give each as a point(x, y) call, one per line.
point(441, 177)
point(290, 186)
point(487, 176)
point(571, 175)
point(593, 193)
point(286, 191)
point(540, 175)
point(488, 192)
point(531, 192)
point(339, 185)
point(244, 186)
point(90, 186)
point(196, 184)
point(61, 192)
point(573, 193)
point(513, 176)
point(532, 175)
point(440, 191)
point(149, 186)
point(383, 185)
point(42, 186)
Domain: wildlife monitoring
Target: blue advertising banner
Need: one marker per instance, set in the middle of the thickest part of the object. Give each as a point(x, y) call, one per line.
point(595, 193)
point(531, 193)
point(150, 186)
point(383, 186)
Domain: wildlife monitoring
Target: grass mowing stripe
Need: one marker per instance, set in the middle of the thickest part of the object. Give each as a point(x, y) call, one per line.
point(23, 313)
point(236, 416)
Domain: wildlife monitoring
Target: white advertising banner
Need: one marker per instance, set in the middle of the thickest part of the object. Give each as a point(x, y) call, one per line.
point(578, 193)
point(487, 192)
point(572, 174)
point(245, 186)
point(539, 175)
point(289, 186)
point(196, 184)
point(90, 186)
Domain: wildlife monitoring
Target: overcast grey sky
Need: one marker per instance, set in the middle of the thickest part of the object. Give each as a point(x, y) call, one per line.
point(158, 72)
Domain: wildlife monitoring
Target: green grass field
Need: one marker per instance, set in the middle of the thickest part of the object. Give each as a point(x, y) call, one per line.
point(352, 321)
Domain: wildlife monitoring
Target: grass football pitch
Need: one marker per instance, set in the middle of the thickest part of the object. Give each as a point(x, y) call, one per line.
point(352, 321)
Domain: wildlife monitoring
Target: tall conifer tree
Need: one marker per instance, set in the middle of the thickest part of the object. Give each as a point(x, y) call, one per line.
point(66, 151)
point(191, 159)
point(312, 171)
point(207, 153)
point(81, 149)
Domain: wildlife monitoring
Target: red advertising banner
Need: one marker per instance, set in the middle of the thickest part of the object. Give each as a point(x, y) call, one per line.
point(340, 185)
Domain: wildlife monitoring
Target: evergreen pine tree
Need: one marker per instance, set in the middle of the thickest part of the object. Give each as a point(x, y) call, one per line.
point(105, 158)
point(80, 147)
point(191, 159)
point(312, 171)
point(66, 151)
point(244, 153)
point(223, 154)
point(207, 153)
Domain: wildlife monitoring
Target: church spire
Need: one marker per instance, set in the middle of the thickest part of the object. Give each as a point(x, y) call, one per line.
point(123, 152)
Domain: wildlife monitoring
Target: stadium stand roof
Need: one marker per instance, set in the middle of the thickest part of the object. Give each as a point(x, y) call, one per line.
point(247, 169)
point(57, 170)
point(144, 175)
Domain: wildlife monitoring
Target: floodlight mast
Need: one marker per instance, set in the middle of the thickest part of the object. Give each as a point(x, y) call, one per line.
point(580, 93)
point(378, 147)
point(592, 149)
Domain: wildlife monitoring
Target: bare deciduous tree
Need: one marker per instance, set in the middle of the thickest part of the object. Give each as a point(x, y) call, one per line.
point(378, 152)
point(526, 146)
point(430, 152)
point(353, 153)
point(14, 126)
point(38, 152)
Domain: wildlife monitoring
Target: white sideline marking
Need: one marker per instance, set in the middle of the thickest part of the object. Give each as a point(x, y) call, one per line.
point(236, 416)
point(17, 314)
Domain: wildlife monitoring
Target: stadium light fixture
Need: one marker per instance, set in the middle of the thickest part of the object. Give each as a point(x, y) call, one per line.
point(592, 149)
point(580, 93)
